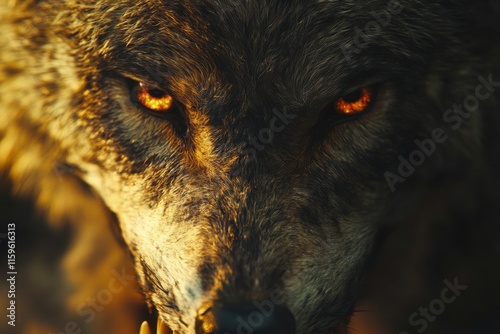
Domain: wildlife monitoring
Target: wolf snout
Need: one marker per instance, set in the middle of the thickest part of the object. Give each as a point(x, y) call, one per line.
point(248, 318)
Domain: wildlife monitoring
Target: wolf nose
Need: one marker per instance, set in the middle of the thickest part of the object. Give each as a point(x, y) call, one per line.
point(256, 318)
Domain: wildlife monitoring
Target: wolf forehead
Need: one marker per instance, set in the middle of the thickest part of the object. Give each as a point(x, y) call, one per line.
point(198, 48)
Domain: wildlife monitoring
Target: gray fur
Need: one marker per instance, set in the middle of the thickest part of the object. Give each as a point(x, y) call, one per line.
point(201, 219)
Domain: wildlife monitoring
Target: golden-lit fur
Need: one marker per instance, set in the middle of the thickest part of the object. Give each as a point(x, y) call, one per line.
point(210, 203)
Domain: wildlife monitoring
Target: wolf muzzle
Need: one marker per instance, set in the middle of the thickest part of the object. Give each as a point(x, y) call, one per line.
point(244, 319)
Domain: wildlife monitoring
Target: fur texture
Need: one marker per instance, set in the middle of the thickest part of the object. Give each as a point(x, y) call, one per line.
point(206, 222)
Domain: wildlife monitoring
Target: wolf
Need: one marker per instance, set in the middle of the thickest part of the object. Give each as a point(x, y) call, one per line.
point(264, 165)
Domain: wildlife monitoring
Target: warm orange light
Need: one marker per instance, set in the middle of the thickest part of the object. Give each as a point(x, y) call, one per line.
point(151, 102)
point(346, 106)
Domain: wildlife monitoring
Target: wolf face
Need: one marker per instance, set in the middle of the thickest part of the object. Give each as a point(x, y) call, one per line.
point(251, 183)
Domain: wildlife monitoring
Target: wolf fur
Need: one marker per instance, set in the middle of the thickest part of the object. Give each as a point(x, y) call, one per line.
point(306, 213)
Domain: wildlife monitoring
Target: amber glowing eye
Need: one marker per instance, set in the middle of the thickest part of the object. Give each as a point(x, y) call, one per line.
point(355, 102)
point(151, 99)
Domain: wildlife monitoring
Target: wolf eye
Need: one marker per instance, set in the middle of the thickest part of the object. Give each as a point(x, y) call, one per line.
point(152, 99)
point(159, 104)
point(354, 102)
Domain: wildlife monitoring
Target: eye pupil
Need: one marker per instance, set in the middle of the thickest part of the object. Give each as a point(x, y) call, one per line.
point(353, 97)
point(156, 93)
